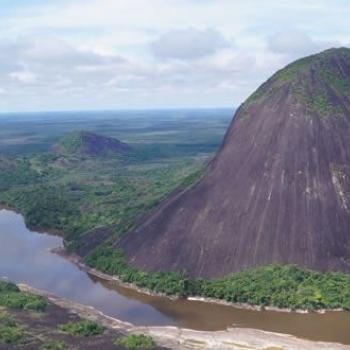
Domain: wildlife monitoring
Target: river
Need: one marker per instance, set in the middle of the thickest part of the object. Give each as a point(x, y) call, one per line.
point(26, 257)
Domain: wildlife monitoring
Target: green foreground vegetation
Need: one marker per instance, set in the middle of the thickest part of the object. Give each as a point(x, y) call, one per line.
point(84, 328)
point(28, 321)
point(12, 297)
point(136, 342)
point(10, 332)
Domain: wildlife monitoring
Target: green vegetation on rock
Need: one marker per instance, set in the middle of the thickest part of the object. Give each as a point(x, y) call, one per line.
point(136, 342)
point(10, 332)
point(314, 82)
point(318, 104)
point(84, 328)
point(71, 142)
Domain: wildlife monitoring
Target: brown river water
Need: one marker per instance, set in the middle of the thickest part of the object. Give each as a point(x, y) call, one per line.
point(26, 257)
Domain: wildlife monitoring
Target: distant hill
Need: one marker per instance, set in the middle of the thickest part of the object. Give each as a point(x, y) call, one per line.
point(278, 190)
point(89, 144)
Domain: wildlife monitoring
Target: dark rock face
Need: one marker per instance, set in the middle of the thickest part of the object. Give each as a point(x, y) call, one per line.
point(91, 239)
point(278, 191)
point(89, 144)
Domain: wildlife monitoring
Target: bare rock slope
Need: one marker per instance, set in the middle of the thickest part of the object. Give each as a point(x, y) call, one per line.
point(276, 192)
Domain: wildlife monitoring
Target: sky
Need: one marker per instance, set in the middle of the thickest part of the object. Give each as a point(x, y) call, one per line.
point(116, 54)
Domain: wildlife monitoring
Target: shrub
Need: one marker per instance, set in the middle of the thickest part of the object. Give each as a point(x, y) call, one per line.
point(10, 333)
point(136, 342)
point(8, 287)
point(84, 328)
point(35, 304)
point(12, 297)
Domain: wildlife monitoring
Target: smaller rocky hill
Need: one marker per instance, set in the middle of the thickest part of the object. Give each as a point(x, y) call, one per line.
point(89, 144)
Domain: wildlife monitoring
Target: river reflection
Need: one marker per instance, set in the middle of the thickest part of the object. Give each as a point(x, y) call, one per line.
point(25, 257)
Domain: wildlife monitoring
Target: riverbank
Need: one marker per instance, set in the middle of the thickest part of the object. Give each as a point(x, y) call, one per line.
point(180, 339)
point(77, 260)
point(31, 322)
point(46, 230)
point(61, 277)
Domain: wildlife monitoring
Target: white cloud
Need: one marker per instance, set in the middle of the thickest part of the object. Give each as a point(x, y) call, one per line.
point(297, 43)
point(146, 53)
point(189, 43)
point(25, 77)
point(70, 72)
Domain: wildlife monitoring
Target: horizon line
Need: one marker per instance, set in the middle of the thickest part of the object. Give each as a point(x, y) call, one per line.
point(115, 110)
